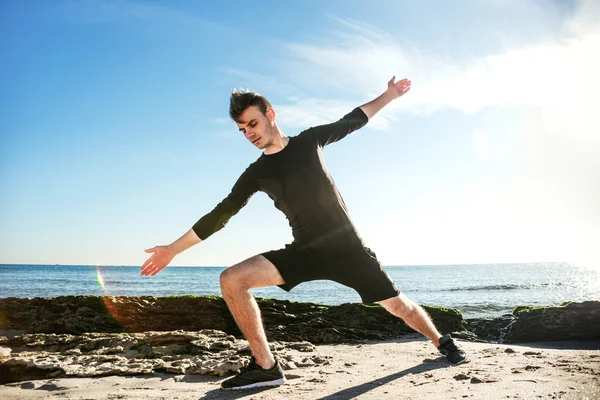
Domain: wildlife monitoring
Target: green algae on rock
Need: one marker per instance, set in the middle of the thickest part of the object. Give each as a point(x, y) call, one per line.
point(284, 320)
point(569, 321)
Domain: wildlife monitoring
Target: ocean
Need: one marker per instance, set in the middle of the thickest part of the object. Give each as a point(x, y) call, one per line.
point(488, 290)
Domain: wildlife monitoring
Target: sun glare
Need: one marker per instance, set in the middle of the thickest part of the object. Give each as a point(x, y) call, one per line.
point(100, 278)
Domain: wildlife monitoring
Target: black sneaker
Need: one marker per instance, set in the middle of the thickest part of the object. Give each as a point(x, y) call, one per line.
point(253, 375)
point(452, 352)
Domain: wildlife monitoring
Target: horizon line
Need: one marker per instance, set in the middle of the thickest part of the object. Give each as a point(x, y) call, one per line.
point(217, 266)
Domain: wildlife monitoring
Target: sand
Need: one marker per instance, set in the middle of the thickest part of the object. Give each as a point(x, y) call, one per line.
point(409, 368)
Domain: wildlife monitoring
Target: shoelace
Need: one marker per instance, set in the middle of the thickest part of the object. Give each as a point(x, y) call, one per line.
point(448, 347)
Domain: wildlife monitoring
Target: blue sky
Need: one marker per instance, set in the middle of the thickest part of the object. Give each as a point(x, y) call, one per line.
point(116, 137)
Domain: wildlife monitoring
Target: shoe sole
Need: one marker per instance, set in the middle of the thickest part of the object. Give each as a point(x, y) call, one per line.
point(464, 361)
point(276, 382)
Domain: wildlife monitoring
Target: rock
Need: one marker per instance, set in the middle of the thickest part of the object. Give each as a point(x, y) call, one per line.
point(16, 370)
point(177, 369)
point(461, 377)
point(302, 346)
point(490, 329)
point(570, 321)
point(319, 360)
point(284, 320)
point(307, 362)
point(5, 352)
point(102, 354)
point(109, 350)
point(287, 365)
point(466, 335)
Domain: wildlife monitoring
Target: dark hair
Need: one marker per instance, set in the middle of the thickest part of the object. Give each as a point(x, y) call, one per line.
point(242, 99)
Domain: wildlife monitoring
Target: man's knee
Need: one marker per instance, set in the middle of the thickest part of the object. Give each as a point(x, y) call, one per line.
point(230, 281)
point(245, 275)
point(255, 272)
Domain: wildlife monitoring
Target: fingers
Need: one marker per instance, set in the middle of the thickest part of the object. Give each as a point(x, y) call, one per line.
point(147, 265)
point(154, 269)
point(391, 82)
point(157, 261)
point(157, 270)
point(151, 268)
point(153, 265)
point(403, 86)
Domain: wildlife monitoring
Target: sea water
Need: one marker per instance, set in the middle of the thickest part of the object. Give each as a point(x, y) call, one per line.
point(488, 290)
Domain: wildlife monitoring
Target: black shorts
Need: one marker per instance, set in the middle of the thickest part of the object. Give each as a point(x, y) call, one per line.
point(356, 267)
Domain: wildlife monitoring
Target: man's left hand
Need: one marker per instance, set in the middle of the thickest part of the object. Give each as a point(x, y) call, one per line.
point(397, 89)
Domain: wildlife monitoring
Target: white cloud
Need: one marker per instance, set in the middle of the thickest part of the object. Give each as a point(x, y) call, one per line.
point(356, 61)
point(481, 146)
point(307, 112)
point(548, 75)
point(554, 193)
point(250, 80)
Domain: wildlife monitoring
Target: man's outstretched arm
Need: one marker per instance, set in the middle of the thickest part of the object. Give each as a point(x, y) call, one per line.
point(162, 255)
point(215, 220)
point(394, 90)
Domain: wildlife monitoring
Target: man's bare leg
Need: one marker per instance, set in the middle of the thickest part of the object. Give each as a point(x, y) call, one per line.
point(236, 283)
point(414, 315)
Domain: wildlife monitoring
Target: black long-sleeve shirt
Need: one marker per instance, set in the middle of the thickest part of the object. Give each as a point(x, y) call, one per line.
point(298, 182)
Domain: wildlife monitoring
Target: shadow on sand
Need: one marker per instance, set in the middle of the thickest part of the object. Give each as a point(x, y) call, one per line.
point(348, 393)
point(355, 391)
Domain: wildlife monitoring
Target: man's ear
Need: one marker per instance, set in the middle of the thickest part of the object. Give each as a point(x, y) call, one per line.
point(271, 114)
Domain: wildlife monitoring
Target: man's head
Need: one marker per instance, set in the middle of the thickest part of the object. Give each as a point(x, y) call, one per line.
point(254, 117)
point(241, 99)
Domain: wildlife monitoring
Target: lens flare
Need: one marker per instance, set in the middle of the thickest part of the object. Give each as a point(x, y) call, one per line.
point(110, 302)
point(100, 278)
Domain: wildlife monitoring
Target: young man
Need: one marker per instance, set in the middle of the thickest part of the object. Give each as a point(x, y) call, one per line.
point(326, 244)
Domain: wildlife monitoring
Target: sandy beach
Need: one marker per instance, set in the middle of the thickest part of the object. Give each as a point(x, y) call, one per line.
point(408, 368)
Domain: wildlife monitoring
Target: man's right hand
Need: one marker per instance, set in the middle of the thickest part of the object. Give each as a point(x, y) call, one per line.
point(160, 258)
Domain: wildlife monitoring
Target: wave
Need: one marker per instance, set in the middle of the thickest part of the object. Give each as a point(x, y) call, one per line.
point(502, 287)
point(483, 307)
point(44, 280)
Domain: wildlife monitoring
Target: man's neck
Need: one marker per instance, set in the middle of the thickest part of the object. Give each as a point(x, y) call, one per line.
point(279, 142)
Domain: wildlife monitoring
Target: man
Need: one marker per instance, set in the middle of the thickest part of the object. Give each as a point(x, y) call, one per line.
point(326, 244)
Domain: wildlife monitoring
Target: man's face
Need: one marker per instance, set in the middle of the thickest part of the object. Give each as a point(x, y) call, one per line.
point(256, 127)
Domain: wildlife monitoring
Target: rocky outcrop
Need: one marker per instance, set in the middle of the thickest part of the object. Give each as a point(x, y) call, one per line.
point(490, 329)
point(82, 336)
point(283, 320)
point(569, 321)
point(288, 321)
point(208, 352)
